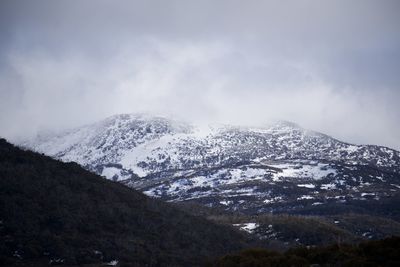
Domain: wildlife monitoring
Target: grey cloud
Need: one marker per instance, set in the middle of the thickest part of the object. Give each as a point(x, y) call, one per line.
point(332, 66)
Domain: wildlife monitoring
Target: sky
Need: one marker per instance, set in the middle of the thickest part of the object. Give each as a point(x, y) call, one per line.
point(330, 66)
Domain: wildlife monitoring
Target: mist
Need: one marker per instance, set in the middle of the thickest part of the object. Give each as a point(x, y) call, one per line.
point(328, 66)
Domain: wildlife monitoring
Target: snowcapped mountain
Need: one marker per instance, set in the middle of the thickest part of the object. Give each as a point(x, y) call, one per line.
point(277, 167)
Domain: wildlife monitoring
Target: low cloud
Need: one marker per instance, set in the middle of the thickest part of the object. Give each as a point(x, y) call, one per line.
point(330, 67)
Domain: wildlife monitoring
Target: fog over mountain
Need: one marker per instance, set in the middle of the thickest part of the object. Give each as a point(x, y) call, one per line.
point(328, 66)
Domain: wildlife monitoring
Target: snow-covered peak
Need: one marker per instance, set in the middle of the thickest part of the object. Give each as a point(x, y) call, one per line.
point(239, 167)
point(148, 144)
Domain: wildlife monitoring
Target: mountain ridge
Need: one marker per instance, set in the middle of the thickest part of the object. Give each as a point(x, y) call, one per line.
point(176, 126)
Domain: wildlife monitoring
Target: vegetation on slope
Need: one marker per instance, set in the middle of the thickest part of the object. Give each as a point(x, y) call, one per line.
point(283, 231)
point(56, 212)
point(372, 253)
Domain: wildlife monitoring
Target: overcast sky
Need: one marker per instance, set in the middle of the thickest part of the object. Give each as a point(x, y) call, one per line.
point(331, 66)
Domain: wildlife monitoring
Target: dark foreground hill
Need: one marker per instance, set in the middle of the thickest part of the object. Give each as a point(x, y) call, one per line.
point(52, 212)
point(367, 254)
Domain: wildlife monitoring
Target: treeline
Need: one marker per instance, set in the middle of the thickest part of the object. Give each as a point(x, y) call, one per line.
point(384, 252)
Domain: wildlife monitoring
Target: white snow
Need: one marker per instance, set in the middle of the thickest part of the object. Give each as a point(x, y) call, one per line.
point(200, 181)
point(146, 151)
point(290, 170)
point(367, 194)
point(351, 148)
point(248, 227)
point(112, 263)
point(226, 203)
point(272, 200)
point(328, 186)
point(306, 185)
point(110, 172)
point(317, 203)
point(305, 197)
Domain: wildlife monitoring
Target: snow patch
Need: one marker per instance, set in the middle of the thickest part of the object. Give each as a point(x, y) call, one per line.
point(290, 170)
point(111, 263)
point(306, 185)
point(248, 227)
point(328, 186)
point(305, 197)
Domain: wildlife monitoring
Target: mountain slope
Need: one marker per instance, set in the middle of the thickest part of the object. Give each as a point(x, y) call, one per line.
point(52, 212)
point(276, 168)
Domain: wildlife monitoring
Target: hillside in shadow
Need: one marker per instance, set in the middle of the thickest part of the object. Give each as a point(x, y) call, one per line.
point(53, 212)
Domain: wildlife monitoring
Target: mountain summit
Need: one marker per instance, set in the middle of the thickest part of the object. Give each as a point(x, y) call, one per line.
point(278, 167)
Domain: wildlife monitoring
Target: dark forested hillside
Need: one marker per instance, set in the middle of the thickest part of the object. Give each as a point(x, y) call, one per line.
point(53, 212)
point(384, 252)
